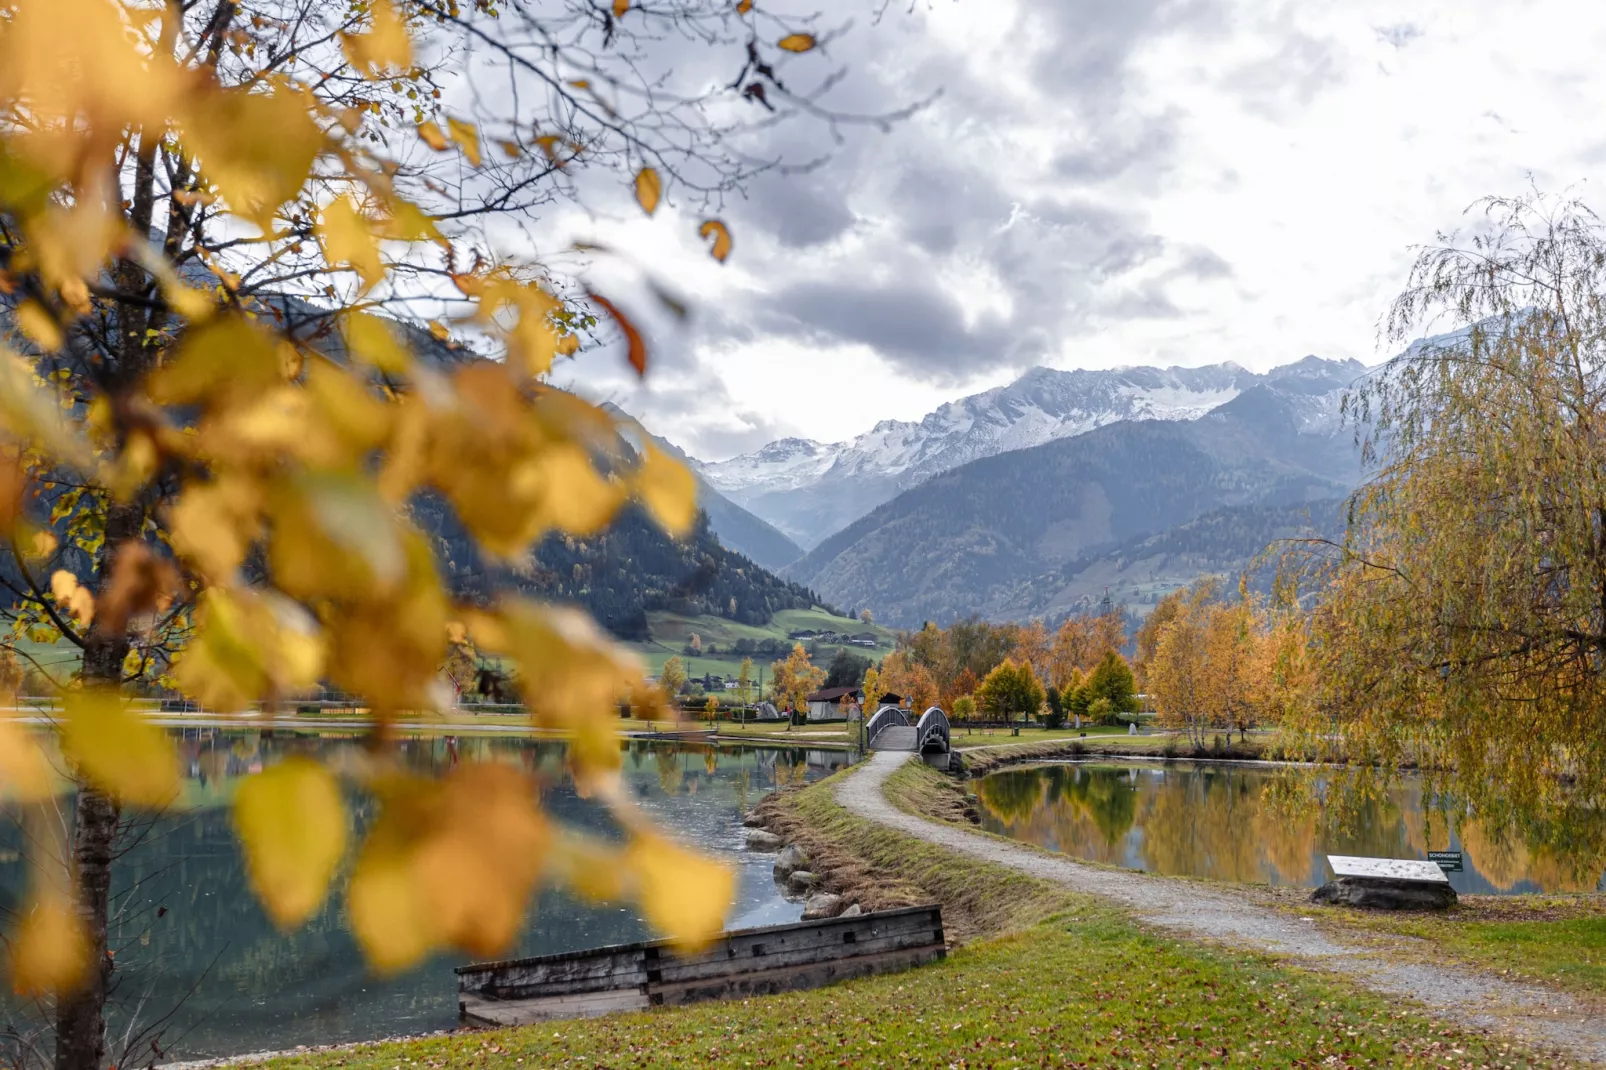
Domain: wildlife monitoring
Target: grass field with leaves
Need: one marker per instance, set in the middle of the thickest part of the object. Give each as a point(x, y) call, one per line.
point(1077, 983)
point(1556, 940)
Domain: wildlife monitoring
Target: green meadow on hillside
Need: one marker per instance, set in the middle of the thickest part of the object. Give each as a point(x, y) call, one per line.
point(671, 632)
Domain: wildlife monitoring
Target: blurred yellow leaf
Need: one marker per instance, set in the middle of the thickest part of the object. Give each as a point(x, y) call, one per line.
point(29, 413)
point(431, 135)
point(42, 545)
point(78, 601)
point(797, 42)
point(373, 342)
point(39, 326)
point(49, 947)
point(213, 523)
point(722, 238)
point(467, 137)
point(221, 360)
point(511, 149)
point(348, 238)
point(743, 6)
point(387, 645)
point(25, 773)
point(571, 675)
point(334, 535)
point(405, 221)
point(389, 914)
point(590, 869)
point(117, 751)
point(72, 58)
point(668, 489)
point(648, 189)
point(248, 645)
point(682, 894)
point(448, 863)
point(385, 47)
point(292, 824)
point(256, 145)
point(620, 7)
point(579, 499)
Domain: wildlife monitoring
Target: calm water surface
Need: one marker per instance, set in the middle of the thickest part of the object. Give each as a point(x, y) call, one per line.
point(1223, 822)
point(193, 943)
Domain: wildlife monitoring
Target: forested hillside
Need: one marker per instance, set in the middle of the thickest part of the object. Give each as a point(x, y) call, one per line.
point(621, 574)
point(1139, 572)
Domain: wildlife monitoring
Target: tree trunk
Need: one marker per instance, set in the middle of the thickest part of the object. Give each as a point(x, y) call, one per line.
point(81, 1016)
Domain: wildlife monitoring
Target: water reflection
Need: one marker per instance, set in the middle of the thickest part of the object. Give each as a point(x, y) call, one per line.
point(1234, 823)
point(189, 934)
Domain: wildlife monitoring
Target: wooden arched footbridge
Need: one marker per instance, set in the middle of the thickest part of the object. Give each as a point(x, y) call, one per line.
point(890, 729)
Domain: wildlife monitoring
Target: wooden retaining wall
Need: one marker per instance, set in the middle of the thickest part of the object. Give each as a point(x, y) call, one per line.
point(749, 962)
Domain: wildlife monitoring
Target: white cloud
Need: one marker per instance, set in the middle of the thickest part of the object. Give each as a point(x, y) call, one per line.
point(1150, 182)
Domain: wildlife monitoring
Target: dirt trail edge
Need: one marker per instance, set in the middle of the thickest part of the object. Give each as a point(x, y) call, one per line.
point(1546, 1017)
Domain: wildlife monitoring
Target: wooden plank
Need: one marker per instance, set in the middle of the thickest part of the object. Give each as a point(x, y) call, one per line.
point(673, 972)
point(473, 1010)
point(613, 970)
point(792, 978)
point(775, 958)
point(828, 933)
point(1394, 869)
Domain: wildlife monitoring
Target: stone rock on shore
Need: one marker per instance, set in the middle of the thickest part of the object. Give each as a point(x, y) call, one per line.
point(852, 912)
point(753, 821)
point(759, 840)
point(801, 882)
point(1379, 893)
point(793, 858)
point(824, 905)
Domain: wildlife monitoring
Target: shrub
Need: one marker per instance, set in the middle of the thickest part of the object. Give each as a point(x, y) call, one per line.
point(1102, 711)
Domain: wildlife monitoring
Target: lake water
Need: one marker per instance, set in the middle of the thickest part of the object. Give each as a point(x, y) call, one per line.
point(191, 941)
point(1226, 822)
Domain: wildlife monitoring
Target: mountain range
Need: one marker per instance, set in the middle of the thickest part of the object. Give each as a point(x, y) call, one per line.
point(810, 490)
point(1032, 498)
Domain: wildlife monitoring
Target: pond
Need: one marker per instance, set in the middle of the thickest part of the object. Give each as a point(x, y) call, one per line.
point(192, 942)
point(1223, 822)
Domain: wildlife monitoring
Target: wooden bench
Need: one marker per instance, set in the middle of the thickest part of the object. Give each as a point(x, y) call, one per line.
point(749, 962)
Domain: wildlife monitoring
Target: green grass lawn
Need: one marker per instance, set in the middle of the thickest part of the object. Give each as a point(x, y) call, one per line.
point(670, 632)
point(1559, 940)
point(965, 739)
point(1076, 983)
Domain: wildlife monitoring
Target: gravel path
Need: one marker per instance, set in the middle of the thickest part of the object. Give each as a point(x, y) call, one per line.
point(1540, 1015)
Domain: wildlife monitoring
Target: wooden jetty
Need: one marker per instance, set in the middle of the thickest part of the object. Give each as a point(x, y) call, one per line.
point(749, 962)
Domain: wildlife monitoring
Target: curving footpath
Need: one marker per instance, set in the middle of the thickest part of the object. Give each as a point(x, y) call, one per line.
point(1540, 1015)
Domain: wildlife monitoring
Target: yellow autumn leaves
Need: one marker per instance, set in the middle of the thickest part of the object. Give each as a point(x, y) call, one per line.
point(287, 464)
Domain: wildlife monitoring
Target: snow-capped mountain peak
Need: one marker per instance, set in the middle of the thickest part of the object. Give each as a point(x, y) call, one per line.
point(810, 489)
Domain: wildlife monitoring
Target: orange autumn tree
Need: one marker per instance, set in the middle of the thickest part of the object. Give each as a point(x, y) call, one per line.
point(795, 677)
point(211, 434)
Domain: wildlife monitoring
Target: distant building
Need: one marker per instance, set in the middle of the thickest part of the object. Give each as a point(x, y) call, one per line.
point(826, 704)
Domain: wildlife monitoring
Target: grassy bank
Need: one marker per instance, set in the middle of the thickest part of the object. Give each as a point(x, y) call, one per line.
point(1087, 989)
point(1051, 979)
point(1552, 940)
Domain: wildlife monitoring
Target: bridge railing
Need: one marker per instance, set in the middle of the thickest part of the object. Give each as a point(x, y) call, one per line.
point(885, 717)
point(932, 733)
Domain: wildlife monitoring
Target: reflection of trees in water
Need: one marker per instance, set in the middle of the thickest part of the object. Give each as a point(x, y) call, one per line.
point(1012, 797)
point(671, 773)
point(270, 989)
point(1254, 825)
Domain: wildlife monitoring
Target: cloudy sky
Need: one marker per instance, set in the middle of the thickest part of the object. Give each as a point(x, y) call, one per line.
point(1132, 182)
